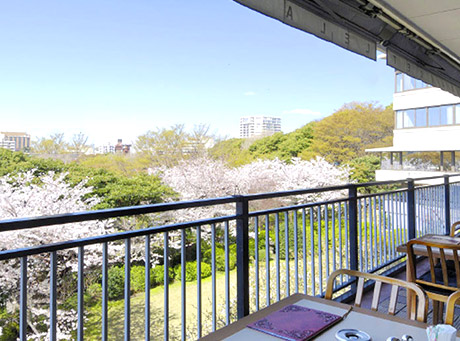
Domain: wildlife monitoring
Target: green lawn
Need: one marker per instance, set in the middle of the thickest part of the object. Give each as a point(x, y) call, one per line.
point(116, 310)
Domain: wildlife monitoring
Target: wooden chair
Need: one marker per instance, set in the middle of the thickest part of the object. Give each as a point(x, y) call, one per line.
point(418, 313)
point(442, 279)
point(450, 310)
point(455, 229)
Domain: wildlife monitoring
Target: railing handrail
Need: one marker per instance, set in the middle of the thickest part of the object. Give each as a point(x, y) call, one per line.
point(67, 218)
point(69, 244)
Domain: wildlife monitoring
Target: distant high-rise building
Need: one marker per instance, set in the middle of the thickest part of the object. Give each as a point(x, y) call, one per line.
point(122, 148)
point(15, 141)
point(259, 126)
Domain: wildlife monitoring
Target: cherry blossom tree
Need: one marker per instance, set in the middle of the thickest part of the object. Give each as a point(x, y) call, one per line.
point(25, 195)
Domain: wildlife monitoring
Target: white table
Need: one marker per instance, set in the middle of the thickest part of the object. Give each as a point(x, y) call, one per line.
point(378, 325)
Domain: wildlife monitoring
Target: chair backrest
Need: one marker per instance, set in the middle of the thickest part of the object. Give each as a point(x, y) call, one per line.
point(419, 311)
point(450, 310)
point(455, 229)
point(443, 274)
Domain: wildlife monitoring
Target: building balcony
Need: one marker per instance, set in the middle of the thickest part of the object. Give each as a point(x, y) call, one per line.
point(265, 249)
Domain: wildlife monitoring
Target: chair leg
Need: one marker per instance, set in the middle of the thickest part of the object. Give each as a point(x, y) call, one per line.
point(435, 312)
point(441, 312)
point(438, 312)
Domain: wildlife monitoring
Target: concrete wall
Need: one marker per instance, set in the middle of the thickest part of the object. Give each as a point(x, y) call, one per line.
point(386, 175)
point(420, 98)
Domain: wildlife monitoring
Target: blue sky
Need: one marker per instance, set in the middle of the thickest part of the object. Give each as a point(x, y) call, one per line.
point(115, 69)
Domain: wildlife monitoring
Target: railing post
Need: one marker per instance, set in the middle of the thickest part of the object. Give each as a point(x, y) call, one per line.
point(447, 203)
point(242, 256)
point(353, 227)
point(411, 208)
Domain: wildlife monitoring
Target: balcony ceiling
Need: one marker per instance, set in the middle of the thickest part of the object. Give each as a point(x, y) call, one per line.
point(420, 37)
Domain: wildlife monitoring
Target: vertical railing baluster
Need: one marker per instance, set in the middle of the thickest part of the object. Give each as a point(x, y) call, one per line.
point(340, 240)
point(382, 230)
point(399, 215)
point(411, 214)
point(392, 211)
point(53, 298)
point(183, 283)
point(353, 229)
point(227, 274)
point(312, 252)
point(105, 295)
point(256, 259)
point(447, 203)
point(166, 284)
point(375, 229)
point(296, 255)
point(127, 291)
point(365, 246)
point(320, 247)
point(371, 235)
point(326, 237)
point(277, 250)
point(360, 237)
point(81, 293)
point(304, 249)
point(286, 252)
point(147, 289)
point(242, 256)
point(213, 276)
point(267, 259)
point(347, 234)
point(198, 281)
point(23, 301)
point(334, 258)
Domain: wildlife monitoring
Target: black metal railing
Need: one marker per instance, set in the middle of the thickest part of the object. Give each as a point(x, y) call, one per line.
point(291, 246)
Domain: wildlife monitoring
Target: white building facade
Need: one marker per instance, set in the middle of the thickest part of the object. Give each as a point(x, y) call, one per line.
point(259, 126)
point(427, 120)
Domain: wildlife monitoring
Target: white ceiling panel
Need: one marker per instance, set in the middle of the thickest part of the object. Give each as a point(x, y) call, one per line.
point(438, 20)
point(416, 8)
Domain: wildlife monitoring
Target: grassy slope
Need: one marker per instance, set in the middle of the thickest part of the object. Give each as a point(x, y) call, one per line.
point(116, 310)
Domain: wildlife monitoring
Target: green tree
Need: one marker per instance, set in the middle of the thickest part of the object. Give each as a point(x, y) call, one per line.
point(79, 143)
point(363, 169)
point(235, 152)
point(166, 147)
point(345, 135)
point(283, 146)
point(126, 164)
point(54, 144)
point(114, 189)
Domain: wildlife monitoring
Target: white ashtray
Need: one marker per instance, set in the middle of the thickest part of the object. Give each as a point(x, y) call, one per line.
point(352, 334)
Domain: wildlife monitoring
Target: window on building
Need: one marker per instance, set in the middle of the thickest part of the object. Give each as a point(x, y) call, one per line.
point(447, 114)
point(399, 82)
point(419, 84)
point(408, 83)
point(420, 117)
point(399, 119)
point(457, 114)
point(409, 118)
point(434, 118)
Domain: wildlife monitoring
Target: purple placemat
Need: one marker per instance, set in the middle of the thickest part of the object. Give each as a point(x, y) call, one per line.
point(295, 322)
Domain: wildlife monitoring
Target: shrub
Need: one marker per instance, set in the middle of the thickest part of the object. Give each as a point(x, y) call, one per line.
point(220, 258)
point(116, 282)
point(157, 275)
point(138, 278)
point(190, 271)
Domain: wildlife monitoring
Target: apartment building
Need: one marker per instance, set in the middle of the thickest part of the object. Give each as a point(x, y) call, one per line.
point(259, 126)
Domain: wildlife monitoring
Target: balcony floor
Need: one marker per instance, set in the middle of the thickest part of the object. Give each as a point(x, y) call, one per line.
point(422, 267)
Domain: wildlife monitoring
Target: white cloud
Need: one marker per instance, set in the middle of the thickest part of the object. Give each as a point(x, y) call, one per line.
point(249, 93)
point(307, 112)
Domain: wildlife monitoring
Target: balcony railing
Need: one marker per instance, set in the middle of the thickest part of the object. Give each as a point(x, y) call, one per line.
point(280, 250)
